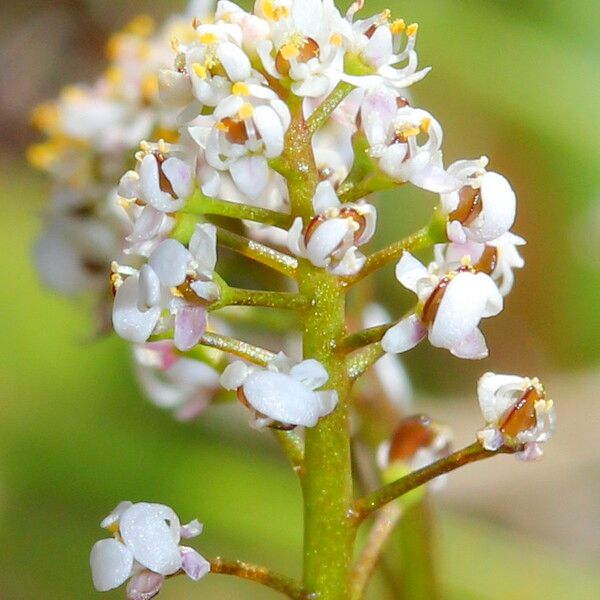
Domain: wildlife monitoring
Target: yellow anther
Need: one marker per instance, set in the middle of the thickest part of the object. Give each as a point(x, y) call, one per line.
point(239, 88)
point(407, 131)
point(208, 38)
point(274, 13)
point(411, 30)
point(114, 75)
point(175, 46)
point(200, 70)
point(385, 15)
point(45, 116)
point(280, 12)
point(222, 127)
point(398, 26)
point(149, 87)
point(72, 93)
point(289, 51)
point(166, 134)
point(336, 39)
point(425, 125)
point(246, 111)
point(465, 261)
point(163, 147)
point(142, 25)
point(114, 45)
point(41, 156)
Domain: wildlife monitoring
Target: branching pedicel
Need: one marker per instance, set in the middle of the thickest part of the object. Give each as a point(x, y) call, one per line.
point(269, 130)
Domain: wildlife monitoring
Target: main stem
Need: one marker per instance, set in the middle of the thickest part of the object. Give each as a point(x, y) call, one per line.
point(329, 528)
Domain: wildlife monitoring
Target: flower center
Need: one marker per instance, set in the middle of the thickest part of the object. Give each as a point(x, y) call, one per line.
point(359, 223)
point(488, 260)
point(469, 205)
point(432, 304)
point(521, 416)
point(411, 434)
point(302, 50)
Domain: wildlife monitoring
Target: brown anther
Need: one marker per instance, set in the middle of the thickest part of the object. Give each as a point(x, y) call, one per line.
point(309, 49)
point(312, 227)
point(188, 293)
point(402, 101)
point(235, 131)
point(521, 416)
point(242, 398)
point(94, 267)
point(281, 426)
point(469, 205)
point(163, 182)
point(82, 212)
point(432, 304)
point(372, 29)
point(410, 435)
point(487, 261)
point(360, 220)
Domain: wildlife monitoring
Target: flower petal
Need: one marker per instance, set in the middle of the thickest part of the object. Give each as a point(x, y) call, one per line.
point(311, 373)
point(144, 585)
point(194, 564)
point(111, 563)
point(170, 262)
point(190, 325)
point(129, 322)
point(409, 270)
point(404, 335)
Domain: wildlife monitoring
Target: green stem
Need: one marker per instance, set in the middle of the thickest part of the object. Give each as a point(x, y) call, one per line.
point(367, 186)
point(473, 453)
point(251, 353)
point(293, 447)
point(240, 297)
point(363, 338)
point(364, 359)
point(417, 565)
point(280, 583)
point(199, 204)
point(278, 261)
point(324, 110)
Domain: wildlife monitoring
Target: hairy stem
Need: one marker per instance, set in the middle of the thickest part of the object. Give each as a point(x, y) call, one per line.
point(324, 110)
point(364, 359)
point(278, 261)
point(384, 525)
point(199, 204)
point(254, 354)
point(280, 583)
point(358, 340)
point(367, 186)
point(240, 297)
point(473, 453)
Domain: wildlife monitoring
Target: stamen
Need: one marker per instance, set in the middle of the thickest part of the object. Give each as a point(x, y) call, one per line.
point(521, 416)
point(240, 89)
point(469, 205)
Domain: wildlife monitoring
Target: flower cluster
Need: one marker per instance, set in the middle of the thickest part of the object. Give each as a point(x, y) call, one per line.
point(265, 133)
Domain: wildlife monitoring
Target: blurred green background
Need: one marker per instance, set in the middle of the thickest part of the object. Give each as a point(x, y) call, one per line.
point(516, 80)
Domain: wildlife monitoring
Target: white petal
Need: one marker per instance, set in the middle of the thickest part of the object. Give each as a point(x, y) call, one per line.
point(324, 198)
point(352, 262)
point(129, 322)
point(149, 291)
point(326, 238)
point(116, 513)
point(434, 179)
point(328, 400)
point(250, 174)
point(311, 373)
point(234, 375)
point(271, 130)
point(498, 207)
point(404, 335)
point(282, 398)
point(179, 175)
point(170, 262)
point(234, 60)
point(203, 247)
point(295, 238)
point(191, 529)
point(207, 290)
point(111, 564)
point(409, 270)
point(492, 404)
point(152, 541)
point(174, 87)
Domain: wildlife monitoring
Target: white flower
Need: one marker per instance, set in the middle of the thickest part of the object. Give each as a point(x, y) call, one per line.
point(393, 129)
point(245, 130)
point(174, 382)
point(517, 413)
point(415, 443)
point(145, 547)
point(176, 279)
point(331, 238)
point(450, 306)
point(305, 44)
point(377, 43)
point(283, 394)
point(483, 208)
point(497, 258)
point(163, 177)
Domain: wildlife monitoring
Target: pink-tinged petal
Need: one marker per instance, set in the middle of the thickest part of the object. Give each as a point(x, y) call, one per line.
point(191, 529)
point(190, 325)
point(404, 335)
point(377, 111)
point(532, 451)
point(144, 585)
point(434, 179)
point(147, 225)
point(111, 563)
point(472, 347)
point(179, 175)
point(194, 564)
point(250, 174)
point(160, 354)
point(409, 270)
